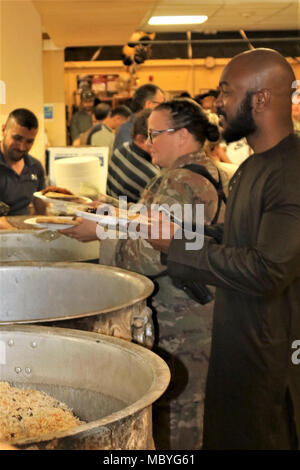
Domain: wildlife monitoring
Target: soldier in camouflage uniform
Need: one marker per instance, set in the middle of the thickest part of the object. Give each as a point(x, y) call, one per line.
point(177, 131)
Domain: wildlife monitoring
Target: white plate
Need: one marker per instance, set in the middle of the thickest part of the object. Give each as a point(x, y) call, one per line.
point(61, 201)
point(107, 219)
point(33, 222)
point(102, 219)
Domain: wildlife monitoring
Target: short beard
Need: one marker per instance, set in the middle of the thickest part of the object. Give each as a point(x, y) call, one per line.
point(243, 124)
point(11, 156)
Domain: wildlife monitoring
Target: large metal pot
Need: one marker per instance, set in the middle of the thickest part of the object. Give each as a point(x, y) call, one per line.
point(84, 296)
point(109, 383)
point(44, 245)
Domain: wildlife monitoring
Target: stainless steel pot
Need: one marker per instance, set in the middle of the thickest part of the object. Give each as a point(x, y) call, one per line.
point(84, 296)
point(109, 383)
point(45, 245)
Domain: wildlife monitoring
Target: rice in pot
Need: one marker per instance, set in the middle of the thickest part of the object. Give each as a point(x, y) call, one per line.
point(30, 413)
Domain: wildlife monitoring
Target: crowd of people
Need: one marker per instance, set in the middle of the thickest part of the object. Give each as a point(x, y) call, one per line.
point(226, 315)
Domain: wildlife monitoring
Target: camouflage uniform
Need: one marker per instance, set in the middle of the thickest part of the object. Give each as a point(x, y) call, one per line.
point(184, 326)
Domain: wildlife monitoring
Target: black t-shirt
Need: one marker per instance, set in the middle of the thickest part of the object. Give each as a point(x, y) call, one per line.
point(17, 190)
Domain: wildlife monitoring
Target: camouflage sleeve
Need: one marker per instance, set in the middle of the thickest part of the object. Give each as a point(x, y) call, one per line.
point(179, 187)
point(134, 255)
point(182, 186)
point(139, 256)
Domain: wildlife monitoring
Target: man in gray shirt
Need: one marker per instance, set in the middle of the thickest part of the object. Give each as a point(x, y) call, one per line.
point(145, 97)
point(82, 119)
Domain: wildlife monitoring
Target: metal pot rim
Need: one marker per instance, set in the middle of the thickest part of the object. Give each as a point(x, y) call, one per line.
point(161, 374)
point(147, 291)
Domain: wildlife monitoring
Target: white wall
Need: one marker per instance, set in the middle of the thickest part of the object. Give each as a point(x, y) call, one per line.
point(21, 63)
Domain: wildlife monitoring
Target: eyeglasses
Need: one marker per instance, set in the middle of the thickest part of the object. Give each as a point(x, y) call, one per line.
point(153, 133)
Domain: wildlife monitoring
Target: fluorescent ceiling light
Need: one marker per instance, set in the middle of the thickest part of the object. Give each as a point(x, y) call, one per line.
point(161, 20)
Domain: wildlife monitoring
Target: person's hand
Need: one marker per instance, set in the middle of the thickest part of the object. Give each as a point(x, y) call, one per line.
point(85, 231)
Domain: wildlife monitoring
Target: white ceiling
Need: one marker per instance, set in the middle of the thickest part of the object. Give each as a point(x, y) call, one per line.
point(112, 22)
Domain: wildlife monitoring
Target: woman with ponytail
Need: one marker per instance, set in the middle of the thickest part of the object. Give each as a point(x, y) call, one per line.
point(177, 131)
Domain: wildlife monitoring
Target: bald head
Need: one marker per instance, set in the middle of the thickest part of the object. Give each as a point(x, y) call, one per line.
point(256, 97)
point(264, 68)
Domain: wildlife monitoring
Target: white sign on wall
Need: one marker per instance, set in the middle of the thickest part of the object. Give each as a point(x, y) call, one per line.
point(48, 111)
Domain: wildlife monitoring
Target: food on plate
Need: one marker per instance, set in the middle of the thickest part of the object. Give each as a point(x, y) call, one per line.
point(65, 197)
point(45, 219)
point(106, 210)
point(56, 189)
point(62, 194)
point(91, 210)
point(28, 413)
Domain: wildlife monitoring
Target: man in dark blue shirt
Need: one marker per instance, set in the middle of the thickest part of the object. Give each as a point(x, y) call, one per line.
point(21, 175)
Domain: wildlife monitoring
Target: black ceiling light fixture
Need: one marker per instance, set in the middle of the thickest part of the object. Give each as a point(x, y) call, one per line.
point(224, 44)
point(138, 48)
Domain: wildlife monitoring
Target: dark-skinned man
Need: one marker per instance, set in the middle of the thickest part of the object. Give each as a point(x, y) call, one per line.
point(253, 386)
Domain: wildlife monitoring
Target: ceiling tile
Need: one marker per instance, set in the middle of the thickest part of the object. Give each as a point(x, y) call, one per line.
point(103, 22)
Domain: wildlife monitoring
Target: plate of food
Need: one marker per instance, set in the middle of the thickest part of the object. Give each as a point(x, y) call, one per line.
point(52, 222)
point(102, 219)
point(110, 215)
point(57, 195)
